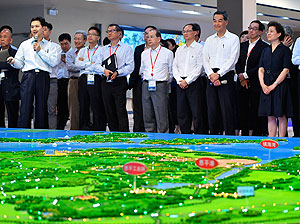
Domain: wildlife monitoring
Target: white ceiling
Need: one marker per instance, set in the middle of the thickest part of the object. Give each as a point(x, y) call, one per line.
point(169, 9)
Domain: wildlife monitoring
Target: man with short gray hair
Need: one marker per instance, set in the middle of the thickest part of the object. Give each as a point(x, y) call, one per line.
point(80, 38)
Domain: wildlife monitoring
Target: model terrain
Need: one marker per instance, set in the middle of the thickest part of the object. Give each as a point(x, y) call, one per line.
point(89, 185)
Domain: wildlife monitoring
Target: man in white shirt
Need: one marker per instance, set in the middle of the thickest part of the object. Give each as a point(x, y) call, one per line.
point(80, 38)
point(89, 83)
point(114, 89)
point(220, 54)
point(35, 57)
point(187, 67)
point(63, 76)
point(156, 70)
point(53, 90)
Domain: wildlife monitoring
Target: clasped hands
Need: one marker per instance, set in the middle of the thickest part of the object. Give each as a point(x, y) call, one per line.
point(108, 73)
point(267, 89)
point(243, 81)
point(214, 78)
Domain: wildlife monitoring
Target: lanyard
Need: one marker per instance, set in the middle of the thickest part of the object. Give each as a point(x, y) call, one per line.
point(152, 65)
point(250, 52)
point(115, 50)
point(93, 53)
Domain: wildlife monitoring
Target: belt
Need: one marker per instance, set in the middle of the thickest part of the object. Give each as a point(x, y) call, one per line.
point(36, 71)
point(73, 77)
point(53, 78)
point(156, 81)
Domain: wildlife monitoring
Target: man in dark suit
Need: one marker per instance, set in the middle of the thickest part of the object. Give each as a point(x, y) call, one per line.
point(9, 83)
point(248, 83)
point(135, 83)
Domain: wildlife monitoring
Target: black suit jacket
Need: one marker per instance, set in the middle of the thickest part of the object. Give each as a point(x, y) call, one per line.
point(135, 75)
point(252, 64)
point(10, 85)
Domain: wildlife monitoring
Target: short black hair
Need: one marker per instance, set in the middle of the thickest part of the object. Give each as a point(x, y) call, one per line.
point(172, 41)
point(152, 27)
point(6, 27)
point(279, 29)
point(49, 26)
point(118, 28)
point(164, 43)
point(96, 29)
point(157, 32)
point(106, 41)
point(39, 18)
point(224, 13)
point(261, 26)
point(244, 32)
point(64, 36)
point(197, 28)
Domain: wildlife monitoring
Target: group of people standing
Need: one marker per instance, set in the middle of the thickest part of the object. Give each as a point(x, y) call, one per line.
point(209, 99)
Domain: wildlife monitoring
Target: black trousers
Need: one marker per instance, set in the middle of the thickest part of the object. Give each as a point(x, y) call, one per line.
point(12, 108)
point(91, 95)
point(138, 121)
point(248, 102)
point(294, 84)
point(173, 107)
point(62, 103)
point(189, 104)
point(34, 88)
point(220, 104)
point(114, 98)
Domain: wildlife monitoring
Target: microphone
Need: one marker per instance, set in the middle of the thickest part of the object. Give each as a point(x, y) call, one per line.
point(223, 82)
point(35, 38)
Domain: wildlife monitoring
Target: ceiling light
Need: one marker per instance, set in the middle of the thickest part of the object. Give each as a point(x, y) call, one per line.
point(259, 14)
point(198, 5)
point(94, 0)
point(190, 12)
point(284, 17)
point(143, 6)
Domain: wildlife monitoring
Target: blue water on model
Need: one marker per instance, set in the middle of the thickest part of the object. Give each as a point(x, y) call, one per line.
point(284, 150)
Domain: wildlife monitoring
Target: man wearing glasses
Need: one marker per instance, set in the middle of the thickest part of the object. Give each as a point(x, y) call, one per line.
point(114, 87)
point(135, 83)
point(248, 83)
point(187, 67)
point(89, 83)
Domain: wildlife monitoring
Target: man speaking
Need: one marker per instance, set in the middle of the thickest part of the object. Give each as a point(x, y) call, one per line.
point(35, 57)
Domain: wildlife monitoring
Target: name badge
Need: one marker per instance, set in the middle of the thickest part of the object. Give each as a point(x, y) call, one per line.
point(152, 85)
point(90, 79)
point(2, 75)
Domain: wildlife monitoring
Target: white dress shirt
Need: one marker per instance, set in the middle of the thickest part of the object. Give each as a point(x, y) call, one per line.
point(62, 71)
point(222, 53)
point(54, 70)
point(70, 62)
point(125, 59)
point(296, 53)
point(188, 62)
point(250, 48)
point(89, 56)
point(27, 59)
point(162, 70)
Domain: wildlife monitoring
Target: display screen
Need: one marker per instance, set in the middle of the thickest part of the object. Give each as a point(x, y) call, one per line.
point(134, 36)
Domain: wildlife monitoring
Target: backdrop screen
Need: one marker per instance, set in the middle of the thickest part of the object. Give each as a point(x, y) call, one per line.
point(134, 36)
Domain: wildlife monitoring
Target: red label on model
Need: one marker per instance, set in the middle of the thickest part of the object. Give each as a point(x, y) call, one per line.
point(134, 168)
point(207, 163)
point(269, 144)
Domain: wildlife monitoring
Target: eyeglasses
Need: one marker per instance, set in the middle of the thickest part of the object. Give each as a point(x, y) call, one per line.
point(252, 28)
point(111, 31)
point(187, 31)
point(92, 34)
